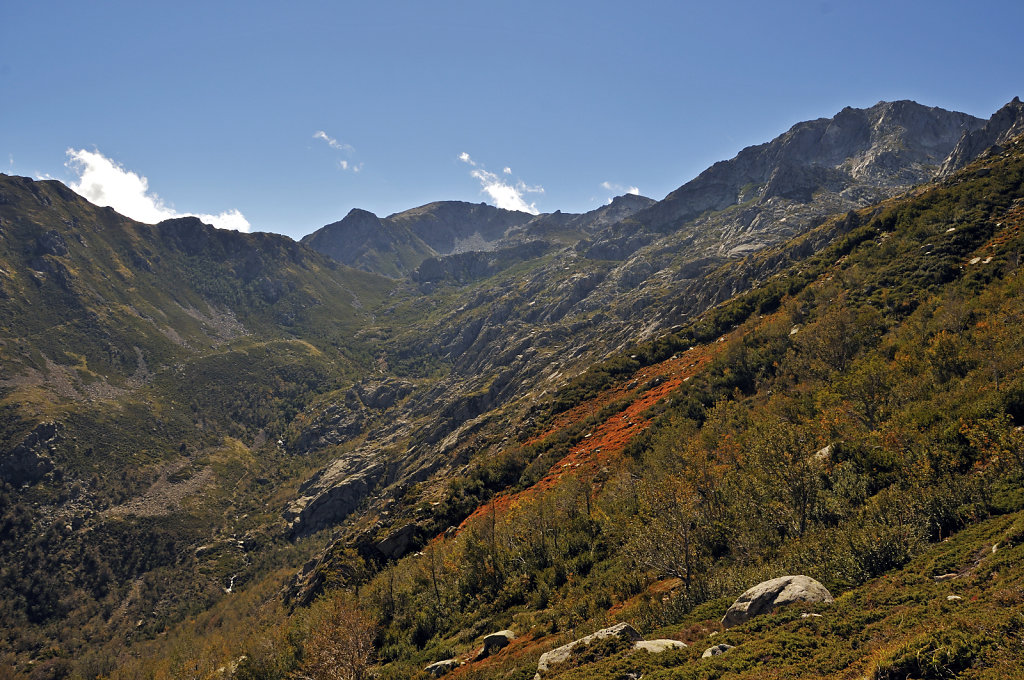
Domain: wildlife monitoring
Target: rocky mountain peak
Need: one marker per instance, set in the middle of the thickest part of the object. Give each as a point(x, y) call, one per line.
point(457, 226)
point(397, 244)
point(359, 214)
point(886, 146)
point(1004, 125)
point(363, 240)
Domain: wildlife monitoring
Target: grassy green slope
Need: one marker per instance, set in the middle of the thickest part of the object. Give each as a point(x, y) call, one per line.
point(171, 359)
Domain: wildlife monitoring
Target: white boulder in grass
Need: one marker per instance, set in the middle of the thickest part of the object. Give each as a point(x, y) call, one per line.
point(768, 595)
point(561, 654)
point(439, 668)
point(658, 646)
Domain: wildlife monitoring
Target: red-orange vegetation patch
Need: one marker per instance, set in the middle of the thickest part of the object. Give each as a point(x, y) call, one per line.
point(1008, 231)
point(647, 386)
point(522, 646)
point(582, 411)
point(610, 438)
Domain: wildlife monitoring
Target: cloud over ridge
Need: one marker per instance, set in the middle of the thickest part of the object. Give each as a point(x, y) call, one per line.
point(107, 183)
point(504, 193)
point(610, 186)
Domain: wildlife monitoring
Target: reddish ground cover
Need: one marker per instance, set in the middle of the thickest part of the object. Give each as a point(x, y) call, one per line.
point(639, 392)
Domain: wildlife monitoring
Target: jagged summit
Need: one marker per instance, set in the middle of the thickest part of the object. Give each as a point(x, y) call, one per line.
point(1005, 124)
point(889, 144)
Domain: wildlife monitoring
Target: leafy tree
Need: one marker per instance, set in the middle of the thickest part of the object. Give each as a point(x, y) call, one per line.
point(340, 642)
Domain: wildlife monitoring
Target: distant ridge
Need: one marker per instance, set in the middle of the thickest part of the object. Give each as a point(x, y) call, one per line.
point(397, 244)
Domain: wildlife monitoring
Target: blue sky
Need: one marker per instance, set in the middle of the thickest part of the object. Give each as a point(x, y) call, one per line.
point(283, 116)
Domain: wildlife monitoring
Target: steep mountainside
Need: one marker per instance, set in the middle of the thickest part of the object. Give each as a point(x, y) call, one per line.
point(540, 424)
point(146, 374)
point(842, 420)
point(1006, 124)
point(515, 335)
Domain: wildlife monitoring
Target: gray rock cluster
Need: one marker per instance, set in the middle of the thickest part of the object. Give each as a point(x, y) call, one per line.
point(715, 650)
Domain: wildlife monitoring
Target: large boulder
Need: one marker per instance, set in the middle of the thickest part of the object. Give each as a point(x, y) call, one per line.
point(768, 595)
point(439, 668)
point(561, 654)
point(495, 642)
point(715, 651)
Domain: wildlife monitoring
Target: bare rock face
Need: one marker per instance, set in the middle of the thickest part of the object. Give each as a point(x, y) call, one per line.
point(382, 394)
point(52, 243)
point(398, 543)
point(333, 494)
point(1005, 124)
point(561, 654)
point(767, 595)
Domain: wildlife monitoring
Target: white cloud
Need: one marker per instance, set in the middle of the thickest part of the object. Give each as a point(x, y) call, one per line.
point(332, 142)
point(610, 186)
point(106, 183)
point(503, 194)
point(339, 146)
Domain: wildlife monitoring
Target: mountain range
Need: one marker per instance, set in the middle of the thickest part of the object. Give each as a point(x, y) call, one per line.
point(193, 417)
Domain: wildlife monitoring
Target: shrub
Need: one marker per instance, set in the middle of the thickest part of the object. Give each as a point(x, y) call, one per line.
point(936, 655)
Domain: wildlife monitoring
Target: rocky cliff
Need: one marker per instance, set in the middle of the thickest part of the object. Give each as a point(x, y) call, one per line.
point(1006, 124)
point(885, 147)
